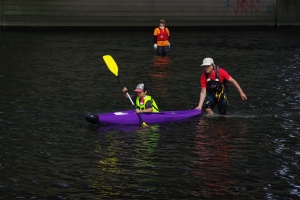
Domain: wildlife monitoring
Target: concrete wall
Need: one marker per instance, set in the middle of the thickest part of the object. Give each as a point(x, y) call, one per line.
point(0, 12)
point(148, 12)
point(288, 12)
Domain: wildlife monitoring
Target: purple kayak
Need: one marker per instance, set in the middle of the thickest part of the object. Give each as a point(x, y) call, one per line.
point(129, 117)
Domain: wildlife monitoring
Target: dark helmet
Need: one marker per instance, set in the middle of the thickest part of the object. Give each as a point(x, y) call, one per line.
point(162, 21)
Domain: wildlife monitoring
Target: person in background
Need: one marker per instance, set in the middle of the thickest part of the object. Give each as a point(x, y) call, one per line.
point(144, 103)
point(162, 39)
point(214, 86)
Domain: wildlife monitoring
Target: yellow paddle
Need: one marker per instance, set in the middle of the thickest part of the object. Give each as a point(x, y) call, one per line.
point(112, 66)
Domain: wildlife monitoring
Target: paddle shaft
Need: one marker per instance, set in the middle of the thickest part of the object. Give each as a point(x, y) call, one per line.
point(129, 97)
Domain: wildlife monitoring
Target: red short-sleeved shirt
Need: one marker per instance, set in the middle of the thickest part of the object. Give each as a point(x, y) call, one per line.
point(223, 76)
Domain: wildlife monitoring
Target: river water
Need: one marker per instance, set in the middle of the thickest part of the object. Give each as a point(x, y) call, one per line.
point(50, 80)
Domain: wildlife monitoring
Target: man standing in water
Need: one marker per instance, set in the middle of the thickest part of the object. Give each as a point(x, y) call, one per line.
point(214, 85)
point(162, 39)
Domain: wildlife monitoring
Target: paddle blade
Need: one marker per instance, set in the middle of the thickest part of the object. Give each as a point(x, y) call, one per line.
point(111, 64)
point(144, 124)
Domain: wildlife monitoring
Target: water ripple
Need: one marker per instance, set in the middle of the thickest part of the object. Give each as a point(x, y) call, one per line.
point(49, 81)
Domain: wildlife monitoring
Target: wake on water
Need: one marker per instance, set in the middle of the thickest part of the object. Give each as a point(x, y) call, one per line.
point(244, 116)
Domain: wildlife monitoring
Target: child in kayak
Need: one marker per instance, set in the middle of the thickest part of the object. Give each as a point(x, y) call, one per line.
point(144, 103)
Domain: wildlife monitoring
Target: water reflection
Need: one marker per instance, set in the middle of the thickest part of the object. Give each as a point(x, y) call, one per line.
point(160, 61)
point(216, 156)
point(211, 146)
point(161, 75)
point(288, 165)
point(124, 154)
point(149, 137)
point(101, 180)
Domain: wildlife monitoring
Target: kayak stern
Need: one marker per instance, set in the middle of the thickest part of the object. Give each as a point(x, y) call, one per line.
point(94, 119)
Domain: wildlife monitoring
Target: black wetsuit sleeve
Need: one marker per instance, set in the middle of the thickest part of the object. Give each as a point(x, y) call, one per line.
point(133, 97)
point(169, 35)
point(155, 39)
point(148, 105)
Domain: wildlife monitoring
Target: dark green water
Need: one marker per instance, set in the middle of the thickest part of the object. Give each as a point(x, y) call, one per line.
point(49, 81)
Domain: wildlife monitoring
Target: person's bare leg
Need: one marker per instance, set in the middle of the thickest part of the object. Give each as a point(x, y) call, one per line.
point(209, 111)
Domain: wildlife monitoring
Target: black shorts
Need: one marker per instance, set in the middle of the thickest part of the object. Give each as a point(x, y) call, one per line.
point(212, 101)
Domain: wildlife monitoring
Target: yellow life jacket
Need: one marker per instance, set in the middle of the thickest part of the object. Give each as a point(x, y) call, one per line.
point(143, 107)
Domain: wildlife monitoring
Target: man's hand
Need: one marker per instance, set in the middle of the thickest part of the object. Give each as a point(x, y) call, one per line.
point(243, 96)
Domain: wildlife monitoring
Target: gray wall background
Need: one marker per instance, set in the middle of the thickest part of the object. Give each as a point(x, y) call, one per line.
point(148, 12)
